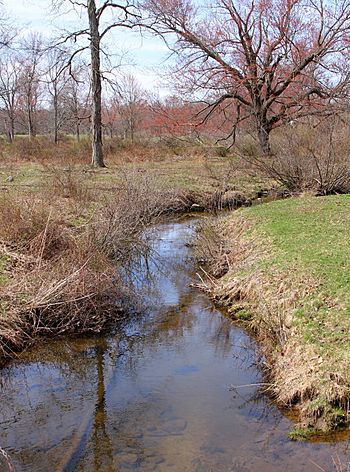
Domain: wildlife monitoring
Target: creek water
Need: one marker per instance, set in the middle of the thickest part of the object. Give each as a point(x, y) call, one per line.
point(154, 396)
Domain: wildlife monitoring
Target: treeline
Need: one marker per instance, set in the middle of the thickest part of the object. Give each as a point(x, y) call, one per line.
point(42, 94)
point(242, 66)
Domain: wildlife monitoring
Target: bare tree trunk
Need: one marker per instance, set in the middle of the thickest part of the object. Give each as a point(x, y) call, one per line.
point(264, 141)
point(8, 132)
point(132, 130)
point(55, 105)
point(97, 152)
point(31, 129)
point(12, 129)
point(263, 131)
point(77, 131)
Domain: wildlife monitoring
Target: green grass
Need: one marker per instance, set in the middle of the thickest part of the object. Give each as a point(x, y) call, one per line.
point(299, 298)
point(311, 236)
point(312, 232)
point(302, 434)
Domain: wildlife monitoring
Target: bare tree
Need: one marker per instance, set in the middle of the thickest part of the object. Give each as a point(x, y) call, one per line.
point(117, 14)
point(30, 79)
point(77, 98)
point(130, 101)
point(9, 73)
point(276, 60)
point(9, 91)
point(7, 31)
point(57, 84)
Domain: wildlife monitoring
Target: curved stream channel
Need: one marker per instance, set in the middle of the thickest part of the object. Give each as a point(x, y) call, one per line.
point(156, 395)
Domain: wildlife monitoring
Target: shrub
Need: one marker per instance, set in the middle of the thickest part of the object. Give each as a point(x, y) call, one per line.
point(306, 157)
point(66, 278)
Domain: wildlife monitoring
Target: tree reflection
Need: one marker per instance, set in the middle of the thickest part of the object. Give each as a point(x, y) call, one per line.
point(103, 450)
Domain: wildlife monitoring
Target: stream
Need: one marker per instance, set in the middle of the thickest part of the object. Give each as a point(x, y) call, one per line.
point(156, 395)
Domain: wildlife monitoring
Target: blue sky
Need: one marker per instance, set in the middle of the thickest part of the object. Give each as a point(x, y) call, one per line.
point(145, 57)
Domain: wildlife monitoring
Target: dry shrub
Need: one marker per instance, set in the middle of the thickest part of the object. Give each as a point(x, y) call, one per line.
point(43, 150)
point(77, 292)
point(61, 282)
point(22, 219)
point(65, 279)
point(30, 227)
point(309, 157)
point(25, 149)
point(139, 202)
point(71, 151)
point(149, 149)
point(68, 183)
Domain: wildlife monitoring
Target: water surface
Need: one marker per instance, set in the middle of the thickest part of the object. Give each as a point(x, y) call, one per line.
point(156, 395)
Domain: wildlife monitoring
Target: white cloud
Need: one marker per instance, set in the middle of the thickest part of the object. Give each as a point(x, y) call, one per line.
point(146, 53)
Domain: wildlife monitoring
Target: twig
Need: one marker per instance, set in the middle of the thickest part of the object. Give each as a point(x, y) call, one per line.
point(43, 241)
point(260, 384)
point(7, 458)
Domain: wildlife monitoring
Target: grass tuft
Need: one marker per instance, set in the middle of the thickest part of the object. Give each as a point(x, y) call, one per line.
point(302, 434)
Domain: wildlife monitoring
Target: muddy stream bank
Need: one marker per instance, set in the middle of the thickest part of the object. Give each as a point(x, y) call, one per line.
point(154, 396)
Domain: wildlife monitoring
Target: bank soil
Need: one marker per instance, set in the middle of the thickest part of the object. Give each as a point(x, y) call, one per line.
point(282, 268)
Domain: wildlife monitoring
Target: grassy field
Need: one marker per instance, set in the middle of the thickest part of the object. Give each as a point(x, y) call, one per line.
point(311, 236)
point(288, 274)
point(188, 173)
point(181, 166)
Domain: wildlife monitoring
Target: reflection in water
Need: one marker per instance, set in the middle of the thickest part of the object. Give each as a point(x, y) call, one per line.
point(103, 454)
point(155, 396)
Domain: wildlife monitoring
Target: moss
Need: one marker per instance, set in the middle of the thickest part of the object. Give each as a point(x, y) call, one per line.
point(302, 434)
point(242, 314)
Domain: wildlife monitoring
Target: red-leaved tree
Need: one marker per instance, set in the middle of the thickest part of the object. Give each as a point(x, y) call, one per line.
point(276, 60)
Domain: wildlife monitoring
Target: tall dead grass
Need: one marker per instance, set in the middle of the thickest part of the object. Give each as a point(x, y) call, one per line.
point(69, 151)
point(64, 271)
point(58, 279)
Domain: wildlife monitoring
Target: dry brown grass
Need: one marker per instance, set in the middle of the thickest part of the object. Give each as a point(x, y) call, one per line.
point(71, 152)
point(59, 279)
point(65, 249)
point(43, 150)
point(237, 275)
